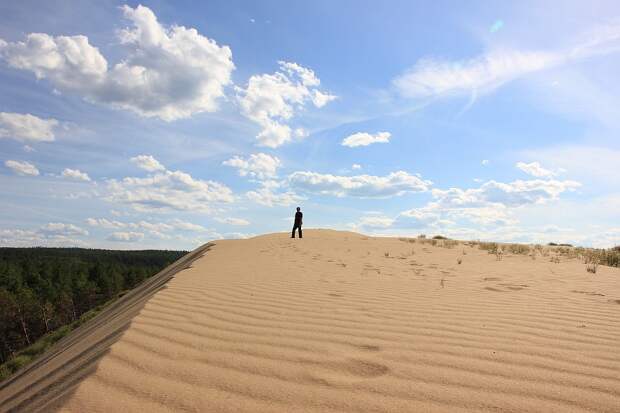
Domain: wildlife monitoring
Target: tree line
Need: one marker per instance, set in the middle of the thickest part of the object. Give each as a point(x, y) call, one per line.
point(42, 289)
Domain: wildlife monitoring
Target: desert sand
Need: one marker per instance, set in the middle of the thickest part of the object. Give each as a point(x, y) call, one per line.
point(338, 322)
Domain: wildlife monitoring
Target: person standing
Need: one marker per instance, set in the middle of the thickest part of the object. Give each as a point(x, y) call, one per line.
point(298, 223)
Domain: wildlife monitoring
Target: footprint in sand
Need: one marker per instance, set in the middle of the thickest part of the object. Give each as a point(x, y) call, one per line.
point(352, 368)
point(494, 289)
point(614, 301)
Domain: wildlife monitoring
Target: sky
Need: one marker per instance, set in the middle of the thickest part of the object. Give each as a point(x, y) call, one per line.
point(166, 124)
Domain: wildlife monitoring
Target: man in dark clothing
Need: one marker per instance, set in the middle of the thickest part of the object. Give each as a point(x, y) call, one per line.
point(298, 222)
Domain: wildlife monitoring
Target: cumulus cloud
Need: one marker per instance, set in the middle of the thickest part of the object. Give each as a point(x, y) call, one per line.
point(54, 229)
point(168, 190)
point(459, 210)
point(375, 222)
point(365, 139)
point(258, 165)
point(26, 127)
point(105, 223)
point(153, 227)
point(233, 221)
point(435, 214)
point(148, 163)
point(516, 193)
point(363, 186)
point(485, 162)
point(169, 73)
point(49, 236)
point(271, 194)
point(75, 174)
point(126, 236)
point(356, 166)
point(535, 169)
point(186, 226)
point(271, 100)
point(22, 168)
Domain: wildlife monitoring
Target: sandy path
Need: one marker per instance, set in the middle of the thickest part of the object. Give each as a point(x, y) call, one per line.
point(330, 323)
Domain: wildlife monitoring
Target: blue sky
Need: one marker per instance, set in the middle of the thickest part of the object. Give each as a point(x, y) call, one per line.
point(168, 124)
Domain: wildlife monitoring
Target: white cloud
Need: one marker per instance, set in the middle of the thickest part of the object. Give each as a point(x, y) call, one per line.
point(596, 165)
point(148, 163)
point(153, 227)
point(171, 72)
point(365, 139)
point(168, 190)
point(26, 127)
point(535, 169)
point(75, 174)
point(126, 236)
point(105, 223)
point(22, 168)
point(485, 162)
point(374, 222)
point(28, 148)
point(29, 238)
point(270, 195)
point(513, 194)
point(356, 166)
point(233, 221)
point(272, 99)
point(187, 226)
point(432, 77)
point(258, 165)
point(54, 229)
point(435, 77)
point(365, 186)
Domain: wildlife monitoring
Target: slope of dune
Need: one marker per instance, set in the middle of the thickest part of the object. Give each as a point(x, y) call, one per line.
point(342, 322)
point(56, 373)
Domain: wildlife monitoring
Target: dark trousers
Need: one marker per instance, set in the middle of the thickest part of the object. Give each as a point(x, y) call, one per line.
point(298, 228)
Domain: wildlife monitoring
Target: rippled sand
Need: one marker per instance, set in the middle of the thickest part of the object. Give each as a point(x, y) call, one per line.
point(342, 322)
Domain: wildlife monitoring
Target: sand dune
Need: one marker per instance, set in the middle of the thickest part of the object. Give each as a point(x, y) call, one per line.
point(341, 322)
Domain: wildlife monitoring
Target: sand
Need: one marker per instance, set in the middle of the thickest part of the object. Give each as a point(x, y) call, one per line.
point(342, 322)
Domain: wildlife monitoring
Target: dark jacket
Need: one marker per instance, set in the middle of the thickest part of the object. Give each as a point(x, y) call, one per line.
point(298, 218)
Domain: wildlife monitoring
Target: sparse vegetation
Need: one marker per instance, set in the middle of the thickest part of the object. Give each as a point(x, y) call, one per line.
point(523, 249)
point(386, 254)
point(422, 236)
point(439, 237)
point(491, 247)
point(608, 257)
point(592, 267)
point(450, 243)
point(459, 260)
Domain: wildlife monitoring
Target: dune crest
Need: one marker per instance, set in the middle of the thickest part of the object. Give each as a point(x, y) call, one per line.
point(342, 322)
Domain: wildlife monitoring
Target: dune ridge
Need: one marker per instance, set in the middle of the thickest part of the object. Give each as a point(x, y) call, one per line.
point(56, 373)
point(342, 322)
